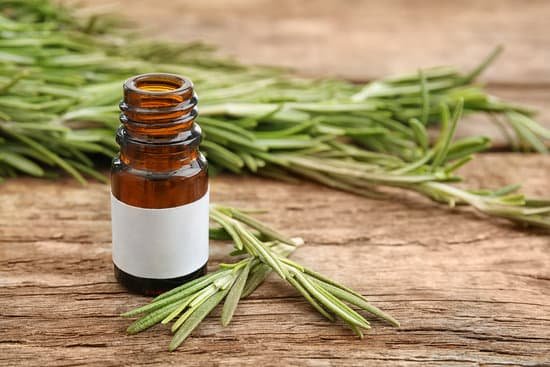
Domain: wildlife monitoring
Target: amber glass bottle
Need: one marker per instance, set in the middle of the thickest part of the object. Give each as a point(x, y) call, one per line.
point(159, 185)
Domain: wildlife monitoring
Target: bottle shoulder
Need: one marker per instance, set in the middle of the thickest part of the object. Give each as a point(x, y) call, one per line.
point(194, 167)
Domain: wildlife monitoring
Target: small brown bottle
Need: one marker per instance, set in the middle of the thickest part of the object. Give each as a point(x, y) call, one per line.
point(159, 186)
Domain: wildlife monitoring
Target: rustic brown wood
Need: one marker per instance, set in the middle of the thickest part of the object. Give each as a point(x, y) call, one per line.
point(468, 291)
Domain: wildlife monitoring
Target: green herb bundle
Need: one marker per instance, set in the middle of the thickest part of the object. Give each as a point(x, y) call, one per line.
point(265, 250)
point(60, 78)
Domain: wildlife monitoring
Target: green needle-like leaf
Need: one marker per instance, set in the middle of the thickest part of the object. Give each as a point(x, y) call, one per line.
point(442, 148)
point(250, 221)
point(309, 298)
point(356, 300)
point(420, 133)
point(153, 318)
point(331, 303)
point(21, 163)
point(234, 295)
point(195, 319)
point(258, 275)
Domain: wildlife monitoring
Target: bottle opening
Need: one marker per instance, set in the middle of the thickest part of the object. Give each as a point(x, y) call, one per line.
point(158, 83)
point(146, 94)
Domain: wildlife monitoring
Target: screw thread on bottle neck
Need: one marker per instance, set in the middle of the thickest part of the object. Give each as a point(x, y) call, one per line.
point(158, 130)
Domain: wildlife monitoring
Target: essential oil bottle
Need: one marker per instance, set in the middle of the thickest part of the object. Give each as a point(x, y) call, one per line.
point(159, 186)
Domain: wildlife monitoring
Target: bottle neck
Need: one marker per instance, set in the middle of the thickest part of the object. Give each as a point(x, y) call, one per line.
point(158, 131)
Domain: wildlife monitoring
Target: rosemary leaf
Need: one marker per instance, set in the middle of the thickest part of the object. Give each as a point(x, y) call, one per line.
point(203, 281)
point(163, 301)
point(257, 276)
point(309, 298)
point(265, 230)
point(331, 303)
point(195, 319)
point(234, 295)
point(153, 318)
point(356, 300)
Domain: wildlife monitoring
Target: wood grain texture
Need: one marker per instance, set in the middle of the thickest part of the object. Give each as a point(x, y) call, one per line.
point(468, 291)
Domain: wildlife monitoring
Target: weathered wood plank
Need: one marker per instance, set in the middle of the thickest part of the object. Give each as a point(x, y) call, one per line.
point(468, 291)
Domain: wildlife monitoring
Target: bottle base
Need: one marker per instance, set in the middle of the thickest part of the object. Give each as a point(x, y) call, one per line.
point(154, 287)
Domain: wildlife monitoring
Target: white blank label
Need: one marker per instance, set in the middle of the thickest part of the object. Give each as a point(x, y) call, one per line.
point(160, 243)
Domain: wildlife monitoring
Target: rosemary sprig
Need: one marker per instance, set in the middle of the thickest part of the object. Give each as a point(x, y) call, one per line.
point(431, 174)
point(188, 304)
point(60, 77)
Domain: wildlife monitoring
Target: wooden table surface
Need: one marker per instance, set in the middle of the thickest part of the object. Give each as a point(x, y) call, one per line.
point(467, 290)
